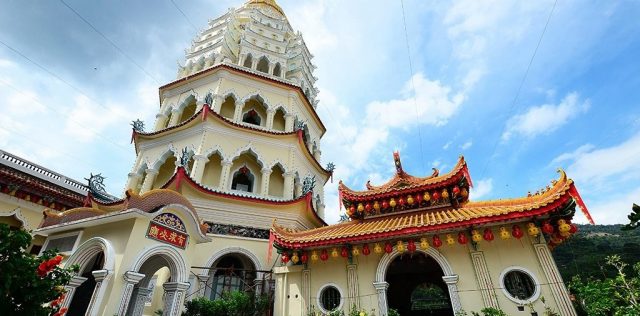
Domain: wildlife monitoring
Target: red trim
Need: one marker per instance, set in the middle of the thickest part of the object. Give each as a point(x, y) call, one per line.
point(573, 191)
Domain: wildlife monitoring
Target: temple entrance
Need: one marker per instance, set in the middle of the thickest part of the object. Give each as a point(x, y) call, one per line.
point(83, 293)
point(416, 286)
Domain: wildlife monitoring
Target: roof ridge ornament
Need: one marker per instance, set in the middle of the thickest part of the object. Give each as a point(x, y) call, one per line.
point(397, 163)
point(308, 184)
point(138, 126)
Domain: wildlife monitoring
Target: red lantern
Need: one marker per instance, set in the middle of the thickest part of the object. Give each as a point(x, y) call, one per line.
point(488, 234)
point(352, 210)
point(411, 246)
point(304, 257)
point(401, 201)
point(435, 196)
point(385, 205)
point(419, 198)
point(367, 207)
point(324, 256)
point(345, 252)
point(574, 229)
point(455, 190)
point(462, 238)
point(517, 232)
point(547, 228)
point(285, 258)
point(388, 248)
point(365, 250)
point(436, 241)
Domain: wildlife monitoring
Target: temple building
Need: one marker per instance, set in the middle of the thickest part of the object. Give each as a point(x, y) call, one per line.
point(226, 194)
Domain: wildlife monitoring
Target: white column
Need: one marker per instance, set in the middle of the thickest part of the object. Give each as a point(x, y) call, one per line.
point(225, 184)
point(254, 63)
point(71, 288)
point(132, 182)
point(452, 285)
point(175, 116)
point(484, 279)
point(306, 291)
point(560, 294)
point(288, 185)
point(270, 114)
point(131, 279)
point(237, 115)
point(381, 289)
point(352, 284)
point(202, 284)
point(139, 299)
point(173, 297)
point(217, 103)
point(148, 180)
point(101, 277)
point(199, 104)
point(288, 122)
point(199, 162)
point(271, 65)
point(266, 176)
point(161, 121)
point(317, 153)
point(298, 189)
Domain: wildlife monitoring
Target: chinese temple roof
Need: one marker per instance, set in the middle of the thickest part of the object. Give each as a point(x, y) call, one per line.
point(559, 199)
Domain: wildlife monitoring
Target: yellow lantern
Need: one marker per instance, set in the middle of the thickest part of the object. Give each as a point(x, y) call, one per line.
point(426, 197)
point(565, 234)
point(392, 202)
point(475, 236)
point(295, 258)
point(335, 253)
point(377, 248)
point(464, 192)
point(424, 243)
point(504, 233)
point(355, 251)
point(400, 246)
point(533, 230)
point(450, 240)
point(445, 194)
point(360, 208)
point(563, 227)
point(376, 206)
point(410, 200)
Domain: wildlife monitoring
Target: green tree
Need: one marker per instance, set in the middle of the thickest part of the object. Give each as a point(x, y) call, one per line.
point(29, 285)
point(634, 218)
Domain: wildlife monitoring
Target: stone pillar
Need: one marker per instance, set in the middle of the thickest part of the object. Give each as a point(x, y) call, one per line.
point(199, 104)
point(288, 185)
point(352, 284)
point(202, 284)
point(241, 59)
point(225, 184)
point(161, 121)
point(199, 162)
point(288, 122)
point(139, 298)
point(101, 277)
point(173, 297)
point(270, 114)
point(217, 103)
point(132, 182)
point(560, 294)
point(381, 289)
point(452, 286)
point(306, 291)
point(298, 189)
point(484, 279)
point(237, 115)
point(148, 180)
point(266, 176)
point(71, 288)
point(131, 279)
point(175, 116)
point(271, 65)
point(254, 63)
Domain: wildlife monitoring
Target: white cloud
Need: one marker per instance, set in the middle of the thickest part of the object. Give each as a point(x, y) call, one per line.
point(611, 210)
point(311, 20)
point(546, 118)
point(446, 146)
point(466, 145)
point(481, 188)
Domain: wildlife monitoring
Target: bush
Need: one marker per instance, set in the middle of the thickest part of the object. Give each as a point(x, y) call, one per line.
point(231, 304)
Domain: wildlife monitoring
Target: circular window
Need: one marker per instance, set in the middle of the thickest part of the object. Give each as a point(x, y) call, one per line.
point(519, 285)
point(330, 298)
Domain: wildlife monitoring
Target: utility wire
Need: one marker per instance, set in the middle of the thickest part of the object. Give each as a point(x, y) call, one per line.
point(515, 98)
point(185, 16)
point(110, 42)
point(413, 86)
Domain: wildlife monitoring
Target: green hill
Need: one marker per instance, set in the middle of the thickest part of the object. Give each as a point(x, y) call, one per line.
point(584, 253)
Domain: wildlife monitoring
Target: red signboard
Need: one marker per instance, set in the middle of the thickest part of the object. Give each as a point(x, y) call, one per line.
point(167, 235)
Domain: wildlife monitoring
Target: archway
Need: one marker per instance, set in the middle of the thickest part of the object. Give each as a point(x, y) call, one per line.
point(416, 286)
point(230, 273)
point(82, 294)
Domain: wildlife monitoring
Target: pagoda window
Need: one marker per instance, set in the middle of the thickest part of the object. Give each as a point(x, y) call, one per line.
point(519, 285)
point(279, 120)
point(277, 71)
point(252, 117)
point(276, 181)
point(243, 180)
point(248, 61)
point(228, 107)
point(188, 111)
point(263, 65)
point(165, 172)
point(212, 171)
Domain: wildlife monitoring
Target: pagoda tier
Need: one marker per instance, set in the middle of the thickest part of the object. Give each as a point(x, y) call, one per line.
point(549, 210)
point(406, 193)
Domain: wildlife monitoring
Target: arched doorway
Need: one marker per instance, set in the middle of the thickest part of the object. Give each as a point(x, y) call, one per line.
point(416, 286)
point(230, 273)
point(82, 294)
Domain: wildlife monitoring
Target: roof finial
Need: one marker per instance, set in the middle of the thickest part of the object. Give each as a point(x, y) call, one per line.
point(396, 160)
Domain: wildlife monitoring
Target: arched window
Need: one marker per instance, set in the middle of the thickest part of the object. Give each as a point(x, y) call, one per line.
point(263, 65)
point(277, 71)
point(279, 120)
point(228, 107)
point(252, 117)
point(212, 171)
point(276, 181)
point(188, 111)
point(82, 294)
point(232, 273)
point(165, 172)
point(243, 180)
point(248, 61)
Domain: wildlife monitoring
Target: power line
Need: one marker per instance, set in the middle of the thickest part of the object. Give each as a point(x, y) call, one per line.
point(110, 41)
point(515, 98)
point(415, 92)
point(185, 16)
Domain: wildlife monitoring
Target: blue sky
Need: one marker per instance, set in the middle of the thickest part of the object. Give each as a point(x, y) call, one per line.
point(578, 107)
